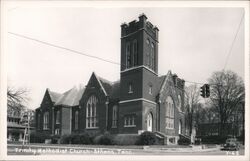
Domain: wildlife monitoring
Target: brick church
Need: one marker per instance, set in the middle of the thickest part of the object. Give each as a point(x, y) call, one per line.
point(140, 101)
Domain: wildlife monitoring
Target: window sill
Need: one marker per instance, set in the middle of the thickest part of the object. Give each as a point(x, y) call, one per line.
point(169, 128)
point(92, 127)
point(45, 129)
point(130, 126)
point(114, 127)
point(130, 92)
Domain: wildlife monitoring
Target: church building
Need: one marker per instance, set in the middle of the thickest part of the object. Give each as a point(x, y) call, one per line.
point(140, 100)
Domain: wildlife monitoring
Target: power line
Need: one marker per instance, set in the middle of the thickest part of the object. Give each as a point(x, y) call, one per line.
point(78, 52)
point(231, 47)
point(64, 48)
point(74, 51)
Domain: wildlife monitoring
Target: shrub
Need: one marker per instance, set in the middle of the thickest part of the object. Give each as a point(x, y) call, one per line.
point(104, 139)
point(66, 139)
point(55, 139)
point(86, 138)
point(147, 138)
point(75, 139)
point(83, 138)
point(38, 137)
point(126, 139)
point(184, 141)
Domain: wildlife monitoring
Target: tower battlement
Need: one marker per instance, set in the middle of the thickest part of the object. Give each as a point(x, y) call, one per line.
point(142, 24)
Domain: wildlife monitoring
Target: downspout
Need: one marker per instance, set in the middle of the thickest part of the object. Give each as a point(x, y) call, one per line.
point(70, 120)
point(106, 106)
point(52, 127)
point(159, 111)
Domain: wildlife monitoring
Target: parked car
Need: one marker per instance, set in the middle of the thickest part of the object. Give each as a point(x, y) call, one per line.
point(231, 144)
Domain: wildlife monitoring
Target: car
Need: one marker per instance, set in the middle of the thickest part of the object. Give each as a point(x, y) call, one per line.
point(231, 144)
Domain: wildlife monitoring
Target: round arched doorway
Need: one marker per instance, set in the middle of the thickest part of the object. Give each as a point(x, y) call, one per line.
point(180, 127)
point(149, 122)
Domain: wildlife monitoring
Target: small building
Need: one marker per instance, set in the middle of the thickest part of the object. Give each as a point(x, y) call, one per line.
point(16, 125)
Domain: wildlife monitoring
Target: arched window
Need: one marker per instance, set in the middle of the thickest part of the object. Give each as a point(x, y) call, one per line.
point(128, 55)
point(135, 52)
point(148, 54)
point(114, 116)
point(180, 127)
point(152, 64)
point(169, 114)
point(76, 120)
point(130, 88)
point(58, 117)
point(46, 120)
point(91, 117)
point(150, 122)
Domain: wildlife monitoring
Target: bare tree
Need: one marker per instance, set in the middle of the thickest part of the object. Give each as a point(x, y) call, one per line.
point(16, 98)
point(192, 105)
point(227, 92)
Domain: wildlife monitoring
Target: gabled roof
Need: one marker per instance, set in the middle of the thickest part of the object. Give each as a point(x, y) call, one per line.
point(71, 97)
point(111, 89)
point(166, 78)
point(54, 96)
point(115, 92)
point(161, 80)
point(107, 85)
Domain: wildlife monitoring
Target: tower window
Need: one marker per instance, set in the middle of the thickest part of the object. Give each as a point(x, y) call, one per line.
point(135, 52)
point(152, 56)
point(148, 53)
point(128, 55)
point(130, 88)
point(150, 90)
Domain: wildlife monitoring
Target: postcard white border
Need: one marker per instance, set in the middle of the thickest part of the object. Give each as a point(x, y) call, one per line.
point(5, 5)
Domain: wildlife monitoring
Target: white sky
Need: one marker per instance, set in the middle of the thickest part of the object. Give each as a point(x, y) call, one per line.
point(193, 42)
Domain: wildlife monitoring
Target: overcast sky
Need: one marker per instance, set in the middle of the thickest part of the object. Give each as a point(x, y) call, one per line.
point(193, 43)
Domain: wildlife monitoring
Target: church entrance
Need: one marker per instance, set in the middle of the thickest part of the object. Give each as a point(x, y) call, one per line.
point(149, 122)
point(180, 127)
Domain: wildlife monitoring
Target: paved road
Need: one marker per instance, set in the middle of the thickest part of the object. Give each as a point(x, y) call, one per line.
point(43, 149)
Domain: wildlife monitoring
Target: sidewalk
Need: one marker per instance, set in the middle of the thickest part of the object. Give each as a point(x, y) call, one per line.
point(193, 148)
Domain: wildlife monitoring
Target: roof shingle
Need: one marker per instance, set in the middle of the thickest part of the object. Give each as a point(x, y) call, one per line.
point(71, 97)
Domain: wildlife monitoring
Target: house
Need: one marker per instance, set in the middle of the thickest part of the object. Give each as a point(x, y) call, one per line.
point(17, 123)
point(140, 100)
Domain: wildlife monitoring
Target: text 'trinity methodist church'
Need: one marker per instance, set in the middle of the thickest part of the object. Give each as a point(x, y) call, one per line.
point(140, 101)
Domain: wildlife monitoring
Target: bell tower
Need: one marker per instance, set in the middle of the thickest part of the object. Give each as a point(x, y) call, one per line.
point(139, 68)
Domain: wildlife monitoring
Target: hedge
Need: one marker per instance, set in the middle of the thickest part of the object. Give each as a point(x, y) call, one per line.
point(104, 139)
point(38, 137)
point(126, 139)
point(147, 138)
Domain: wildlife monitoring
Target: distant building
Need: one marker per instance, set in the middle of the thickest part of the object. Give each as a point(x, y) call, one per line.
point(140, 101)
point(233, 128)
point(16, 125)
